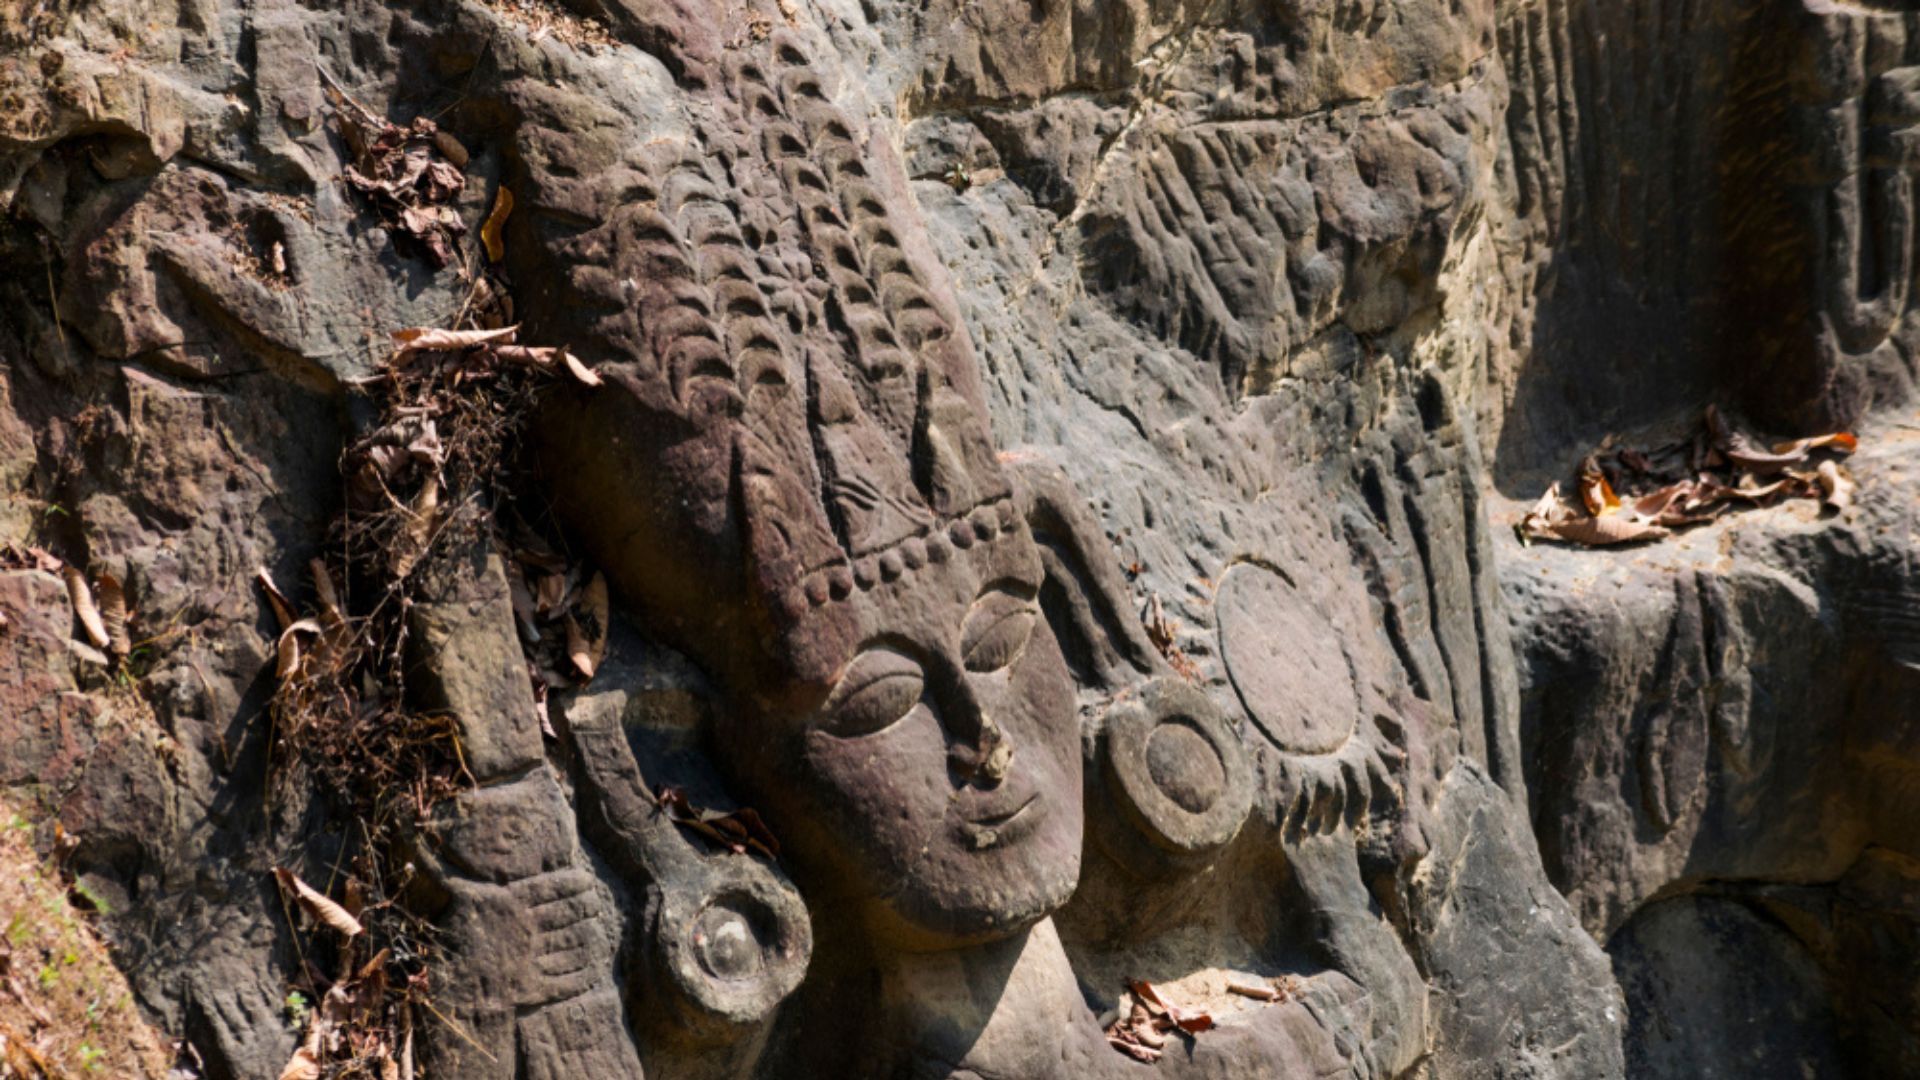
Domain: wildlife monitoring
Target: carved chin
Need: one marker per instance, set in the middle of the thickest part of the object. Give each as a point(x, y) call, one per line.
point(984, 880)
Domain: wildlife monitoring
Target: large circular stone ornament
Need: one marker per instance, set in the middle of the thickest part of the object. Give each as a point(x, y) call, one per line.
point(732, 951)
point(1285, 661)
point(1177, 772)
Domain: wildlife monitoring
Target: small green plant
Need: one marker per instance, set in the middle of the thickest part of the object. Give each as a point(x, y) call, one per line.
point(93, 899)
point(297, 1009)
point(90, 1056)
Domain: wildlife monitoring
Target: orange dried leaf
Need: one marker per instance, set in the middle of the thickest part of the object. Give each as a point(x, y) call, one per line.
point(1843, 441)
point(1595, 492)
point(1145, 991)
point(496, 221)
point(1194, 1023)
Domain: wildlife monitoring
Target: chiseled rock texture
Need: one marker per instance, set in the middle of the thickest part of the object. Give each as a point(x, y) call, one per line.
point(1212, 347)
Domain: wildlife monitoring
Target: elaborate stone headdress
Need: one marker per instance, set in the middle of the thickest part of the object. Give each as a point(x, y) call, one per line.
point(791, 415)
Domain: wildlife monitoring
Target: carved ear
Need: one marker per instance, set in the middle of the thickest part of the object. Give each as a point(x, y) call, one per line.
point(1084, 598)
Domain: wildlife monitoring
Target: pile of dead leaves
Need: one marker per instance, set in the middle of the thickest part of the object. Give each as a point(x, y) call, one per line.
point(410, 174)
point(431, 477)
point(1627, 494)
point(454, 402)
point(363, 1027)
point(99, 604)
point(1146, 1021)
point(426, 479)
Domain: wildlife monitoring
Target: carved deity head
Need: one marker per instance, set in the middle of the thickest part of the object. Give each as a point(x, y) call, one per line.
point(789, 476)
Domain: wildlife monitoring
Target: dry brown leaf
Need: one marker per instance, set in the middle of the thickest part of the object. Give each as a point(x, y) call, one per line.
point(83, 607)
point(1190, 1022)
point(113, 612)
point(592, 613)
point(425, 338)
point(1836, 486)
point(29, 558)
point(1747, 490)
point(336, 634)
point(581, 372)
point(421, 519)
point(538, 356)
point(287, 649)
point(304, 1066)
point(282, 608)
point(317, 904)
point(1655, 504)
point(406, 1044)
point(1602, 531)
point(522, 600)
point(550, 595)
point(324, 590)
point(88, 653)
point(1546, 511)
point(579, 649)
point(496, 221)
point(450, 148)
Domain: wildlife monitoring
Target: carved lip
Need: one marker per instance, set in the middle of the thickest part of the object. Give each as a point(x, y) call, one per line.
point(1003, 824)
point(995, 820)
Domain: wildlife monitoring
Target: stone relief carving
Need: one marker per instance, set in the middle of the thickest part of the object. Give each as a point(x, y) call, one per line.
point(791, 481)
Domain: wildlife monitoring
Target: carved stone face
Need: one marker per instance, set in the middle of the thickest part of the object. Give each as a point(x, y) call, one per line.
point(936, 786)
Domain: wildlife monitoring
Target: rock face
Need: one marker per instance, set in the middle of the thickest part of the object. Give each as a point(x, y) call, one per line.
point(1052, 462)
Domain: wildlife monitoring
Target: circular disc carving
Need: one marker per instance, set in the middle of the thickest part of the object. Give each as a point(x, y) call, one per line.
point(1178, 773)
point(1285, 661)
point(734, 949)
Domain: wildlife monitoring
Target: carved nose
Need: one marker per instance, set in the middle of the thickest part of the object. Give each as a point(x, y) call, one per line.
point(984, 760)
point(996, 752)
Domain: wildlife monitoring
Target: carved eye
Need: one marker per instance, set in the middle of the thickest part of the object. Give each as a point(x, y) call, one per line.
point(996, 630)
point(879, 688)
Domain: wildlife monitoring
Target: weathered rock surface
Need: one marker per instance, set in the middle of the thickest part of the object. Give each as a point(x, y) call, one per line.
point(1055, 462)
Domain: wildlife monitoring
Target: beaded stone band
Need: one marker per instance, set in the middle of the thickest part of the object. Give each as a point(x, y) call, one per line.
point(983, 524)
